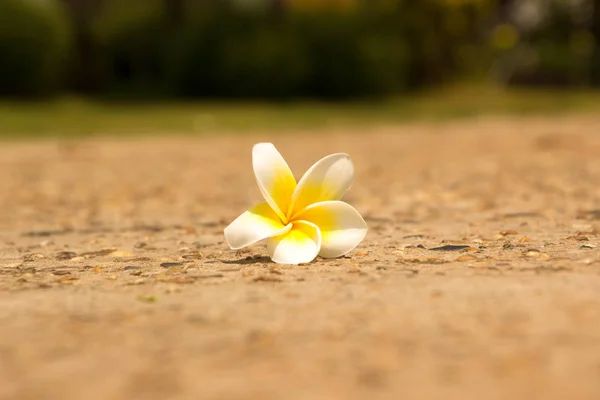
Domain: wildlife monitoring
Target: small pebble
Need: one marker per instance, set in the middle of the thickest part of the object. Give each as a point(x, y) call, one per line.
point(525, 239)
point(65, 255)
point(171, 264)
point(466, 257)
point(120, 253)
point(33, 257)
point(451, 247)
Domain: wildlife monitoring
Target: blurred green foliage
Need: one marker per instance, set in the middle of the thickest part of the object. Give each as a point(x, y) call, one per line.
point(559, 51)
point(226, 52)
point(284, 49)
point(132, 39)
point(34, 44)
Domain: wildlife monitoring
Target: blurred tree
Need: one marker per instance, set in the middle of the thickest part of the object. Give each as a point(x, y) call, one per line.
point(595, 31)
point(323, 4)
point(174, 11)
point(85, 66)
point(322, 48)
point(277, 6)
point(35, 40)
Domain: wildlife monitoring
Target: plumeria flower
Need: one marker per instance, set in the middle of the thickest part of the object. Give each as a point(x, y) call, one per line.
point(300, 220)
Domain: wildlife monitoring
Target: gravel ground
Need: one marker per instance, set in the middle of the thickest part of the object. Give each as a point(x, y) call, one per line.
point(479, 277)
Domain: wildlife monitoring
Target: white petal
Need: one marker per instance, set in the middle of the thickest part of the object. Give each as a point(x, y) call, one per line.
point(342, 228)
point(299, 245)
point(275, 179)
point(256, 224)
point(328, 179)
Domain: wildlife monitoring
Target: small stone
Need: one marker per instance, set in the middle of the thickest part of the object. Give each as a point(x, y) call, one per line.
point(171, 264)
point(266, 278)
point(587, 246)
point(134, 259)
point(65, 255)
point(99, 253)
point(579, 238)
point(425, 260)
point(525, 239)
point(182, 280)
point(67, 280)
point(532, 253)
point(195, 255)
point(33, 257)
point(61, 272)
point(140, 245)
point(77, 259)
point(466, 257)
point(139, 281)
point(131, 268)
point(112, 277)
point(361, 253)
point(120, 254)
point(452, 247)
point(522, 214)
point(417, 236)
point(42, 233)
point(593, 232)
point(509, 232)
point(209, 276)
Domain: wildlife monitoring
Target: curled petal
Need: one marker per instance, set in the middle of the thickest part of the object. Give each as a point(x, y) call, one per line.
point(342, 227)
point(274, 177)
point(301, 244)
point(328, 179)
point(258, 223)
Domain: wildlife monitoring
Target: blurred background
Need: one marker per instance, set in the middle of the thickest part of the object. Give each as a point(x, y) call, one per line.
point(164, 51)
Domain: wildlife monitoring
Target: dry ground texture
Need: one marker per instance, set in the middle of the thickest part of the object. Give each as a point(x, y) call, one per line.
point(115, 281)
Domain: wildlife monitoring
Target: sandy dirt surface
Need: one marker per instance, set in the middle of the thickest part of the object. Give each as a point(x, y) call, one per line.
point(116, 283)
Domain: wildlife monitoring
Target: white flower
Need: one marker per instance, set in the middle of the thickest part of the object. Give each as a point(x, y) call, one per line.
point(300, 220)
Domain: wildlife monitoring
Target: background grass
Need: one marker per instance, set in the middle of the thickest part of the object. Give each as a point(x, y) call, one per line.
point(79, 118)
